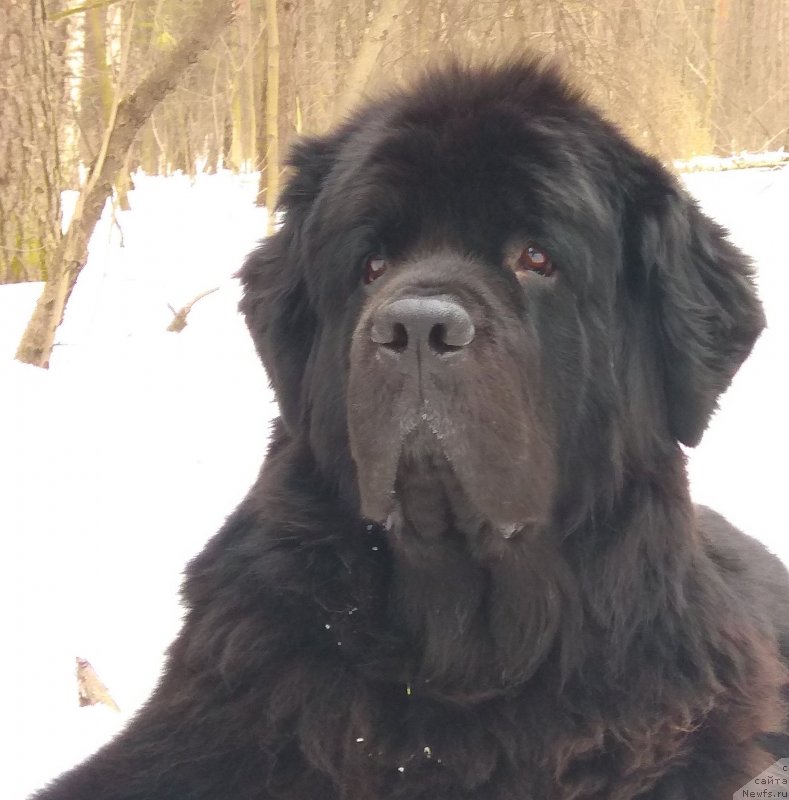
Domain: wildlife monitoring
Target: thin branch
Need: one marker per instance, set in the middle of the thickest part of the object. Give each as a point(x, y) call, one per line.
point(179, 317)
point(69, 12)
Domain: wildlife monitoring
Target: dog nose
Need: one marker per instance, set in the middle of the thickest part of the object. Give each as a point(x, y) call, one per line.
point(437, 324)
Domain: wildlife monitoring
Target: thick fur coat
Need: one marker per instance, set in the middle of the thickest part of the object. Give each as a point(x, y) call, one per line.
point(470, 568)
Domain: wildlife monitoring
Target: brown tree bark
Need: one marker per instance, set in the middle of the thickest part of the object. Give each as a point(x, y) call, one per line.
point(365, 59)
point(272, 110)
point(129, 116)
point(245, 83)
point(29, 164)
point(97, 95)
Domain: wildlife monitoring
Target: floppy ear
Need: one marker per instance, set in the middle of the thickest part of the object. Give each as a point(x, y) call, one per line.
point(708, 314)
point(275, 301)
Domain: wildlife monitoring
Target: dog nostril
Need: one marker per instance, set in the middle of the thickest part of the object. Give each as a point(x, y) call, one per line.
point(438, 340)
point(399, 340)
point(454, 331)
point(391, 335)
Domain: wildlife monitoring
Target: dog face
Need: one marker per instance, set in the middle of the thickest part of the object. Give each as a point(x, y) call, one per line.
point(484, 305)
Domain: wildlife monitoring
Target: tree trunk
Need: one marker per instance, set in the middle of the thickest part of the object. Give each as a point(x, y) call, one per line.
point(246, 80)
point(96, 95)
point(128, 118)
point(261, 145)
point(369, 50)
point(29, 163)
point(272, 110)
point(717, 15)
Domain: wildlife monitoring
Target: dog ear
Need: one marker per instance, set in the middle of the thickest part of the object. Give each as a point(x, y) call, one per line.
point(275, 302)
point(708, 316)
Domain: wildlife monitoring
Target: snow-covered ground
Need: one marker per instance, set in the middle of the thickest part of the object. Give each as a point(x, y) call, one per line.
point(118, 463)
point(743, 160)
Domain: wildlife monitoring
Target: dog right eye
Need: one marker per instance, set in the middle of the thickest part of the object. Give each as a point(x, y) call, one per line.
point(534, 259)
point(374, 266)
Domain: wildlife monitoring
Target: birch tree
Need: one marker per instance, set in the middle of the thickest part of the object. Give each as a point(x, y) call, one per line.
point(128, 115)
point(29, 163)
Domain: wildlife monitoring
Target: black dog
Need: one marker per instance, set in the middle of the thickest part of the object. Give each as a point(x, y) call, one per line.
point(470, 568)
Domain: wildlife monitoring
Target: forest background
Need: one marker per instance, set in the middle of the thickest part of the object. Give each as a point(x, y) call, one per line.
point(93, 90)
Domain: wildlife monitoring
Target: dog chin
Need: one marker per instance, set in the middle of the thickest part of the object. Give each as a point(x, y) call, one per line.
point(426, 498)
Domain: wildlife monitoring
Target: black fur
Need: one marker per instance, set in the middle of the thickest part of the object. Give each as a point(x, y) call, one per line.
point(480, 577)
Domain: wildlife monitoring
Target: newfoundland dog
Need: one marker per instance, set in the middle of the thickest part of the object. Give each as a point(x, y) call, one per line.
point(470, 568)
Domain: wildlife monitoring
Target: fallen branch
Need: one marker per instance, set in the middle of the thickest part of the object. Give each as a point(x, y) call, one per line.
point(179, 317)
point(722, 164)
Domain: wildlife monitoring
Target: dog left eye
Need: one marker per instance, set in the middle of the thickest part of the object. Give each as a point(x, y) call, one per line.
point(374, 266)
point(534, 259)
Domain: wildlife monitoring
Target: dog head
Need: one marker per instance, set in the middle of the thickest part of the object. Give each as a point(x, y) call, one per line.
point(484, 306)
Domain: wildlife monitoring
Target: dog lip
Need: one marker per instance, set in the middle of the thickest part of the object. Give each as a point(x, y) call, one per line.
point(514, 530)
point(509, 530)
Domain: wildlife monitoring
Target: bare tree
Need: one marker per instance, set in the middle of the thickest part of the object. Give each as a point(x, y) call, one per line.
point(128, 116)
point(366, 58)
point(272, 109)
point(97, 93)
point(29, 162)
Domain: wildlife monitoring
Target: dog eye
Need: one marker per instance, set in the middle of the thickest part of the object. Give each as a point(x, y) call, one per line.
point(533, 259)
point(374, 266)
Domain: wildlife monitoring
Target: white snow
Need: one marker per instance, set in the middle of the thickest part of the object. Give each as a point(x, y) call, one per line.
point(741, 467)
point(119, 462)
